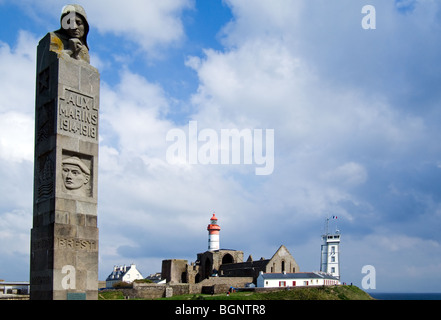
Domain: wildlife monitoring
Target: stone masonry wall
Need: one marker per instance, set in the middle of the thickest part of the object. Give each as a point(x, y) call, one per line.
point(214, 284)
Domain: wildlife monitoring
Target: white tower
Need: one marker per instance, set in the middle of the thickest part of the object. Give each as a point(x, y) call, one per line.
point(330, 255)
point(213, 234)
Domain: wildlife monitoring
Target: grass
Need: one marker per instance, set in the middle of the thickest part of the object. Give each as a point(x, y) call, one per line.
point(342, 292)
point(311, 293)
point(111, 295)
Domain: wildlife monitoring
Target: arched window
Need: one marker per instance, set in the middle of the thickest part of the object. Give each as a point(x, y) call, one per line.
point(208, 268)
point(227, 258)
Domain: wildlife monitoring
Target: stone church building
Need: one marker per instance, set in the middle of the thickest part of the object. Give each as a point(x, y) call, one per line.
point(226, 263)
point(217, 262)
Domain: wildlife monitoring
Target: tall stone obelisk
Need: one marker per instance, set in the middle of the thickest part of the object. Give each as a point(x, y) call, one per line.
point(64, 237)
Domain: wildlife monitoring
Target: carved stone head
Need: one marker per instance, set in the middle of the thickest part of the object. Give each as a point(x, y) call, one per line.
point(74, 22)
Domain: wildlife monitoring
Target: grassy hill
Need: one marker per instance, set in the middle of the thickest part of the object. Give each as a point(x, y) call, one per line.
point(303, 293)
point(300, 293)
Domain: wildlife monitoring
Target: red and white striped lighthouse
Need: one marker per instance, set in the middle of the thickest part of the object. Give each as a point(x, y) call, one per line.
point(213, 234)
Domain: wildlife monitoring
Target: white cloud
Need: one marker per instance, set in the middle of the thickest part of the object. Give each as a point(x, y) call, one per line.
point(348, 174)
point(402, 243)
point(254, 19)
point(330, 130)
point(18, 74)
point(140, 192)
point(14, 230)
point(320, 127)
point(17, 91)
point(149, 25)
point(16, 137)
point(146, 23)
point(396, 258)
point(133, 111)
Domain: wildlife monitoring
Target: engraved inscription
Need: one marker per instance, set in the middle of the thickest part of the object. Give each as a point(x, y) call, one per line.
point(78, 114)
point(75, 244)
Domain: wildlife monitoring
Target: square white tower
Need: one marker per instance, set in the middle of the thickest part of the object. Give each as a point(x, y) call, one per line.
point(330, 253)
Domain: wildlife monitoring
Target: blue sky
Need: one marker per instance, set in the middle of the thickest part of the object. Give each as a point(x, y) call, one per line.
point(355, 114)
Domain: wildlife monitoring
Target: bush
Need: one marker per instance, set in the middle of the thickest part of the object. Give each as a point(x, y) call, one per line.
point(122, 285)
point(143, 281)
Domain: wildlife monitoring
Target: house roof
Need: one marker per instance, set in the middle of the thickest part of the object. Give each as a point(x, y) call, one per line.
point(118, 273)
point(297, 275)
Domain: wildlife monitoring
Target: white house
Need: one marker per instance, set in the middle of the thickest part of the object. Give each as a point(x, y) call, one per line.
point(123, 274)
point(273, 280)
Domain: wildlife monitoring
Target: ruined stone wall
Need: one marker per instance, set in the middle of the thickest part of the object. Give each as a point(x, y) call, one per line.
point(219, 284)
point(173, 270)
point(211, 285)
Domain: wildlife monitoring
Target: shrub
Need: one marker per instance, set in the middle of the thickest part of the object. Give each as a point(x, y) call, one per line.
point(122, 285)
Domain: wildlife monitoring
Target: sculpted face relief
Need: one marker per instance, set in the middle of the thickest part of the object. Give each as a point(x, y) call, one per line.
point(75, 175)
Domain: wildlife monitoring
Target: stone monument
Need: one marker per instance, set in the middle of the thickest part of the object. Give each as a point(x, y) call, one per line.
point(64, 237)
